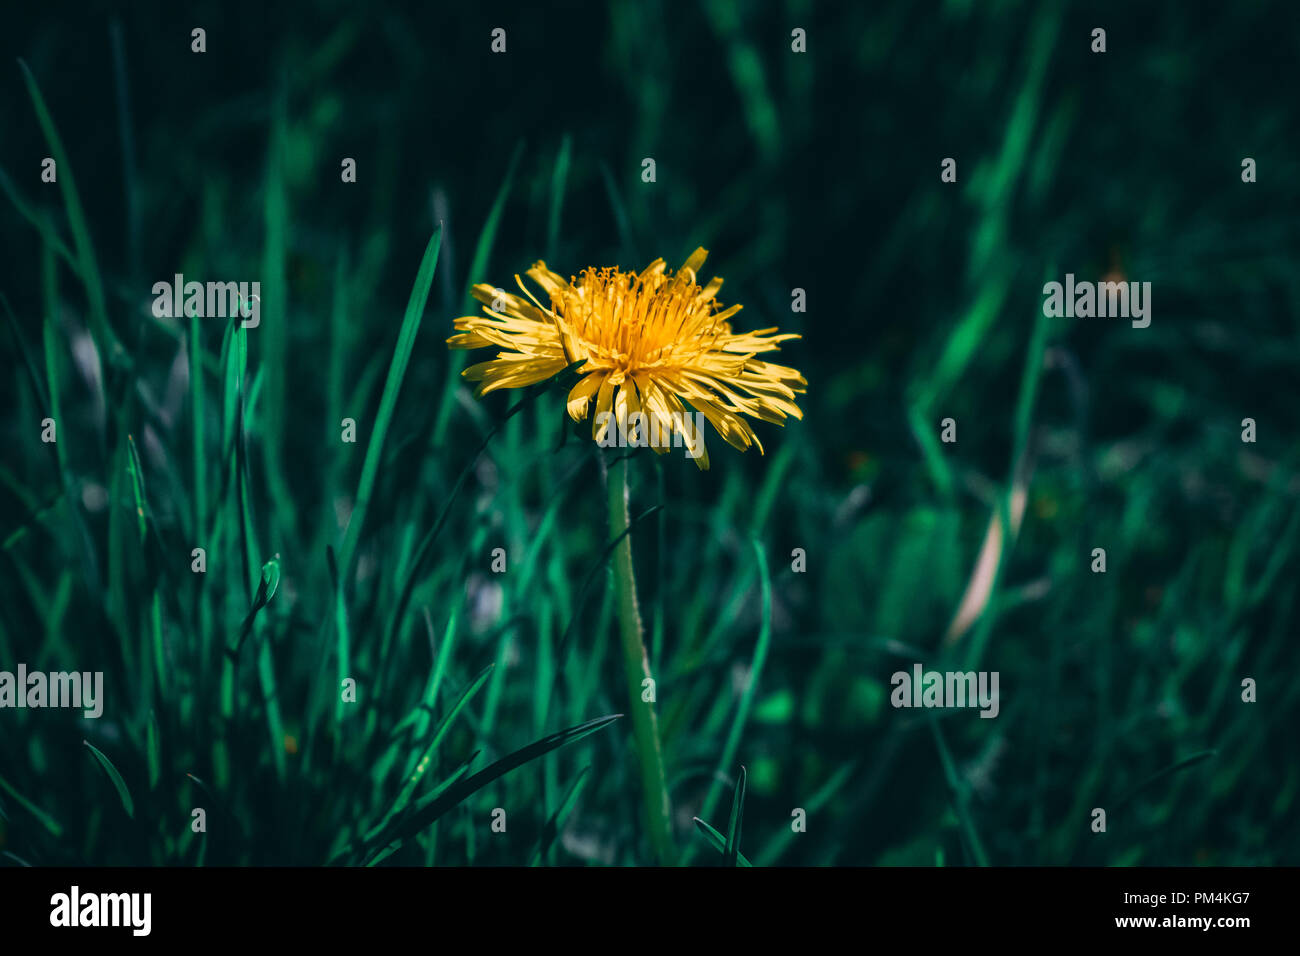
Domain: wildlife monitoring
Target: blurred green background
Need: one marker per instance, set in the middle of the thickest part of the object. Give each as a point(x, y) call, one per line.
point(818, 171)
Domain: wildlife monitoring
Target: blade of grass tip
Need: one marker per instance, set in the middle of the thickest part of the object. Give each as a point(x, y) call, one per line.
point(716, 840)
point(266, 588)
point(230, 659)
point(234, 358)
point(429, 810)
point(477, 269)
point(751, 688)
point(559, 178)
point(118, 783)
point(45, 820)
point(109, 345)
point(556, 821)
point(388, 400)
point(736, 818)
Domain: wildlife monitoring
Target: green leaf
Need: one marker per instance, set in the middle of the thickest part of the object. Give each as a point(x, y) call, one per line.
point(718, 841)
point(153, 748)
point(137, 485)
point(270, 581)
point(736, 818)
point(44, 818)
point(118, 783)
point(388, 400)
point(41, 223)
point(477, 267)
point(408, 788)
point(558, 179)
point(109, 345)
point(553, 825)
point(432, 807)
point(747, 698)
point(266, 588)
point(1175, 767)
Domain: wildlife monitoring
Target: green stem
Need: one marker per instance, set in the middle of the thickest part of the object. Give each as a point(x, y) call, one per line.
point(637, 668)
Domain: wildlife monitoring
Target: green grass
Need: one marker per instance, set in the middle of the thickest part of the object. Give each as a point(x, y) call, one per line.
point(329, 562)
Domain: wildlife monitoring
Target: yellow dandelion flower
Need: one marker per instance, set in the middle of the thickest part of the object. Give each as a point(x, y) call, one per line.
point(650, 343)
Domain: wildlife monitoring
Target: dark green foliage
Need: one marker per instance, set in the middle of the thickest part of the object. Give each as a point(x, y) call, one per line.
point(371, 561)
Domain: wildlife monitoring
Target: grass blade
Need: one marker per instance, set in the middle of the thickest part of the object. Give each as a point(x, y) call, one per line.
point(553, 825)
point(153, 747)
point(747, 699)
point(388, 401)
point(1174, 767)
point(558, 179)
point(477, 267)
point(108, 343)
point(413, 781)
point(737, 817)
point(718, 841)
point(40, 223)
point(118, 783)
point(41, 816)
point(957, 791)
point(430, 809)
